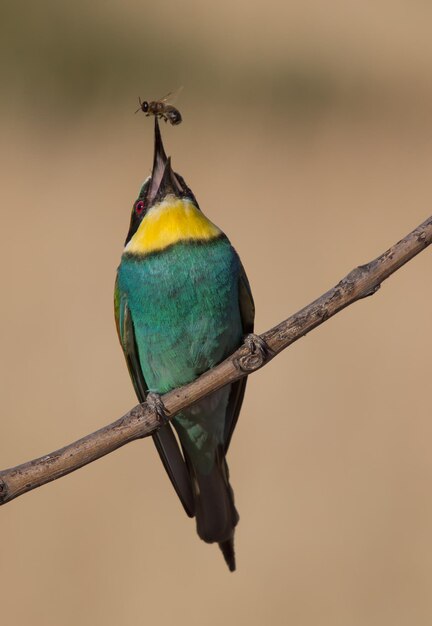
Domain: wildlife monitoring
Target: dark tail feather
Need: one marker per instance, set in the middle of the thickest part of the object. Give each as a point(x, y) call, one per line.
point(216, 515)
point(175, 466)
point(227, 548)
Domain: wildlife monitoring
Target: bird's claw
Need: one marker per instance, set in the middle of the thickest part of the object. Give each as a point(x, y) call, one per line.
point(155, 403)
point(259, 353)
point(256, 345)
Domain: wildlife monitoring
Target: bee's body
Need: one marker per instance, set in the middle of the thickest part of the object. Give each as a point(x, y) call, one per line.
point(162, 110)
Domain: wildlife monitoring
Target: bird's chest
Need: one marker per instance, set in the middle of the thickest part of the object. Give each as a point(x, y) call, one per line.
point(184, 306)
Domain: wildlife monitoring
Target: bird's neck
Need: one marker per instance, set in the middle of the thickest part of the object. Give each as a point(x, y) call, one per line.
point(170, 222)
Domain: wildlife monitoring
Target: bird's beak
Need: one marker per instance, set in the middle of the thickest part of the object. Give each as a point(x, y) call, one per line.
point(163, 181)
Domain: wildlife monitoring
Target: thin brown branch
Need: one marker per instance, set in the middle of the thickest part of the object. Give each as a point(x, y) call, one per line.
point(140, 422)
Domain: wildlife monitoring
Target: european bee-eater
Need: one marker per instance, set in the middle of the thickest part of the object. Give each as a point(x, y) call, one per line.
point(183, 304)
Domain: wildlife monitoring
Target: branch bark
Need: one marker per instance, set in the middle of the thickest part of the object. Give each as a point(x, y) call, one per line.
point(141, 421)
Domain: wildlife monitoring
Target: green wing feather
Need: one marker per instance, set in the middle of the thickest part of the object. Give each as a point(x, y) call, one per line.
point(247, 306)
point(126, 335)
point(165, 440)
point(247, 313)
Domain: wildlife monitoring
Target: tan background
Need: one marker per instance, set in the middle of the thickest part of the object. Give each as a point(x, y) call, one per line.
point(307, 137)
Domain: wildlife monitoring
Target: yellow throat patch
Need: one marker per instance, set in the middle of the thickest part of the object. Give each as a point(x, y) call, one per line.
point(170, 222)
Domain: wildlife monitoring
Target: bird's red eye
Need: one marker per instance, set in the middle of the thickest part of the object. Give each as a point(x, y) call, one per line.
point(139, 207)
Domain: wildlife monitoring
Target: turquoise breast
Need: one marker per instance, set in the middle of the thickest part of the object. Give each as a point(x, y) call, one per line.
point(185, 309)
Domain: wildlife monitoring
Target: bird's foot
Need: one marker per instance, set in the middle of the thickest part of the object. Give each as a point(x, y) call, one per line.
point(256, 345)
point(259, 353)
point(155, 403)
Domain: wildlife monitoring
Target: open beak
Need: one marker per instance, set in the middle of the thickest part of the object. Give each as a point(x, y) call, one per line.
point(163, 181)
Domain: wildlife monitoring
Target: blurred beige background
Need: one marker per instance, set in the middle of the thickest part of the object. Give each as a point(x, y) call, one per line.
point(307, 137)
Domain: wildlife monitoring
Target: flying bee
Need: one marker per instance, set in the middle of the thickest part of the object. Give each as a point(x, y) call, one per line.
point(162, 108)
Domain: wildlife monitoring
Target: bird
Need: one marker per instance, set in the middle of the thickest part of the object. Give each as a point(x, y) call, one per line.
point(183, 304)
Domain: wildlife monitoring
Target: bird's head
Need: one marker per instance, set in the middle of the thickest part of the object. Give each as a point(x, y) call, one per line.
point(166, 210)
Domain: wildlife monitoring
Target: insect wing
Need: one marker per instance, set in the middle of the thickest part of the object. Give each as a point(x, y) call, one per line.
point(172, 96)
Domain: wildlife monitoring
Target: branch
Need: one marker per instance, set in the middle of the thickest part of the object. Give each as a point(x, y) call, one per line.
point(142, 421)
